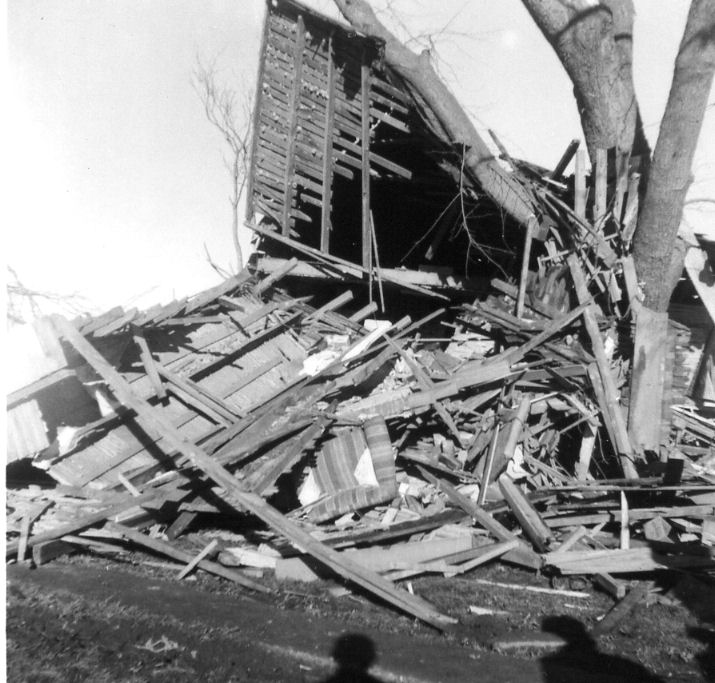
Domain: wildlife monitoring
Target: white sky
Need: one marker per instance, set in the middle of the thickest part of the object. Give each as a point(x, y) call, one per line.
point(116, 180)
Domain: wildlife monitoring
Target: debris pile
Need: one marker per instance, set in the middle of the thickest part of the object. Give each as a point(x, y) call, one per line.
point(373, 449)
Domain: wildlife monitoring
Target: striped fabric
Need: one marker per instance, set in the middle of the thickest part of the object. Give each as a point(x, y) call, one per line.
point(336, 465)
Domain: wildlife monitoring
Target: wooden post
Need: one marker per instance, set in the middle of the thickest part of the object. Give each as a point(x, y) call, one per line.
point(579, 202)
point(366, 229)
point(325, 224)
point(530, 229)
point(293, 104)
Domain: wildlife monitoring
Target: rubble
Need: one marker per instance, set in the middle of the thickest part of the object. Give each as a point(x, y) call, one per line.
point(332, 435)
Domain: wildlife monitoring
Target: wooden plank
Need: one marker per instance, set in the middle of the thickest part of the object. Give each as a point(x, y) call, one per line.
point(332, 305)
point(530, 228)
point(647, 390)
point(149, 363)
point(185, 571)
point(276, 275)
point(156, 423)
point(580, 194)
point(622, 609)
point(297, 73)
point(601, 189)
point(187, 392)
point(630, 215)
point(612, 409)
point(564, 160)
point(526, 514)
point(325, 224)
point(180, 524)
point(365, 177)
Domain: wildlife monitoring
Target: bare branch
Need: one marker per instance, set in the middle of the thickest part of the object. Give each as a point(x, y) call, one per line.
point(233, 121)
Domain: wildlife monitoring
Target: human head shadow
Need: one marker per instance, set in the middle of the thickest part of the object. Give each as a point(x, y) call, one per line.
point(354, 654)
point(579, 658)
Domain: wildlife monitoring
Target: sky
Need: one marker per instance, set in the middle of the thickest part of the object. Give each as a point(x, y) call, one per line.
point(116, 182)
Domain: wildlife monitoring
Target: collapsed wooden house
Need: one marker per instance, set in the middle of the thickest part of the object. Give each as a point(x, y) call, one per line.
point(501, 421)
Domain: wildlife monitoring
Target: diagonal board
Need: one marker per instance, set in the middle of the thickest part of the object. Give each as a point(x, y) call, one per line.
point(155, 423)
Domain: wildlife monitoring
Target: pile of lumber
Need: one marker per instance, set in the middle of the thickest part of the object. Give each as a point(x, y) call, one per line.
point(372, 449)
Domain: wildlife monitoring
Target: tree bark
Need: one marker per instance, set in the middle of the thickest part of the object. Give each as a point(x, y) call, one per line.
point(501, 186)
point(594, 42)
point(658, 256)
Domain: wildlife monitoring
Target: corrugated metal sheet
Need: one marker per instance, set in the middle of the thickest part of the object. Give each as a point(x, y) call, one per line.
point(26, 431)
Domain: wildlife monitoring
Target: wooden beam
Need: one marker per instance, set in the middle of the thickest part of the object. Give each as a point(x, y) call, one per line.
point(366, 229)
point(325, 224)
point(293, 105)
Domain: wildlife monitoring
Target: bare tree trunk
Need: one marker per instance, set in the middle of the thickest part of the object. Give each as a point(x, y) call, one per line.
point(417, 70)
point(659, 261)
point(658, 253)
point(594, 42)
